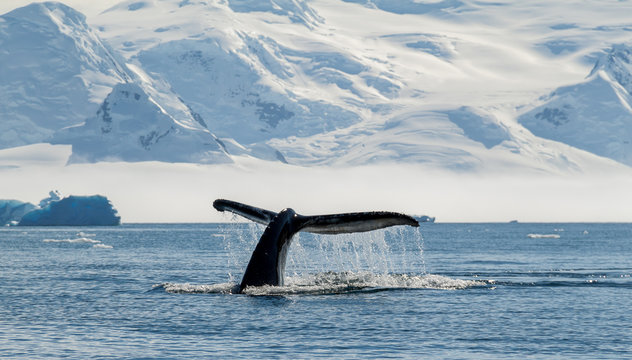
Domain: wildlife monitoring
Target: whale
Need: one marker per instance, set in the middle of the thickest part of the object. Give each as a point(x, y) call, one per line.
point(267, 262)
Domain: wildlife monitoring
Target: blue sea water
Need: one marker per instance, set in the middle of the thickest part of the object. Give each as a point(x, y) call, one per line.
point(457, 291)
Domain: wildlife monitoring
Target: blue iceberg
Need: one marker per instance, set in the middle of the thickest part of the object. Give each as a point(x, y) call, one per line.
point(95, 210)
point(11, 211)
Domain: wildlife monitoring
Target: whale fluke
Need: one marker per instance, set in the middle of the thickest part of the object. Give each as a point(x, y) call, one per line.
point(267, 263)
point(251, 213)
point(353, 222)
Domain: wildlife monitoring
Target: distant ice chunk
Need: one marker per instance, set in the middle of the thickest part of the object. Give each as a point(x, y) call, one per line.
point(543, 236)
point(74, 211)
point(13, 210)
point(73, 241)
point(82, 239)
point(426, 218)
point(102, 246)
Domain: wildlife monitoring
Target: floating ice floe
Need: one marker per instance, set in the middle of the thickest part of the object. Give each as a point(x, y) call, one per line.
point(73, 241)
point(82, 239)
point(102, 246)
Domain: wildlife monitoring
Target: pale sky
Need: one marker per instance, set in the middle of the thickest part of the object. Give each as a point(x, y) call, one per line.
point(161, 192)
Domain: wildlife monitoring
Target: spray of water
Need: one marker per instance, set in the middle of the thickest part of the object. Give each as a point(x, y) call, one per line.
point(379, 260)
point(239, 241)
point(386, 251)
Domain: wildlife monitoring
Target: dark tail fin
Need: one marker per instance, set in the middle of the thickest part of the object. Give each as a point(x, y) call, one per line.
point(252, 213)
point(322, 224)
point(354, 222)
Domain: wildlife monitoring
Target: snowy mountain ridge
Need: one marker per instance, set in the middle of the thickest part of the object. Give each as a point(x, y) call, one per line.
point(594, 115)
point(54, 70)
point(129, 126)
point(316, 83)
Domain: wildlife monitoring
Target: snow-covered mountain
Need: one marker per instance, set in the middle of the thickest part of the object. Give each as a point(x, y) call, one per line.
point(226, 85)
point(327, 82)
point(594, 115)
point(57, 77)
point(55, 71)
point(130, 126)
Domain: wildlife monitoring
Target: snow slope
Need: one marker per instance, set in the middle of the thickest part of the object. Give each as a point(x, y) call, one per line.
point(595, 114)
point(226, 88)
point(55, 70)
point(129, 126)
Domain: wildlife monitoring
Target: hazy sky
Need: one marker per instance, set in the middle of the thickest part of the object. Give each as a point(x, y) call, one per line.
point(161, 192)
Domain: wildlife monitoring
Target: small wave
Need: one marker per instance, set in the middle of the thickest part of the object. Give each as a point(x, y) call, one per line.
point(598, 283)
point(543, 236)
point(82, 234)
point(331, 283)
point(73, 241)
point(102, 246)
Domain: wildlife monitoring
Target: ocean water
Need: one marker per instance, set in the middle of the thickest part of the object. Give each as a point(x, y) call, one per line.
point(454, 291)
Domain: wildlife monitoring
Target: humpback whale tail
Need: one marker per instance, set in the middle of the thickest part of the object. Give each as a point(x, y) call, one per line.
point(267, 263)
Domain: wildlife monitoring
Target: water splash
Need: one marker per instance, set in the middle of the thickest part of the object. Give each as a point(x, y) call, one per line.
point(393, 250)
point(379, 260)
point(330, 283)
point(239, 242)
point(224, 288)
point(382, 260)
